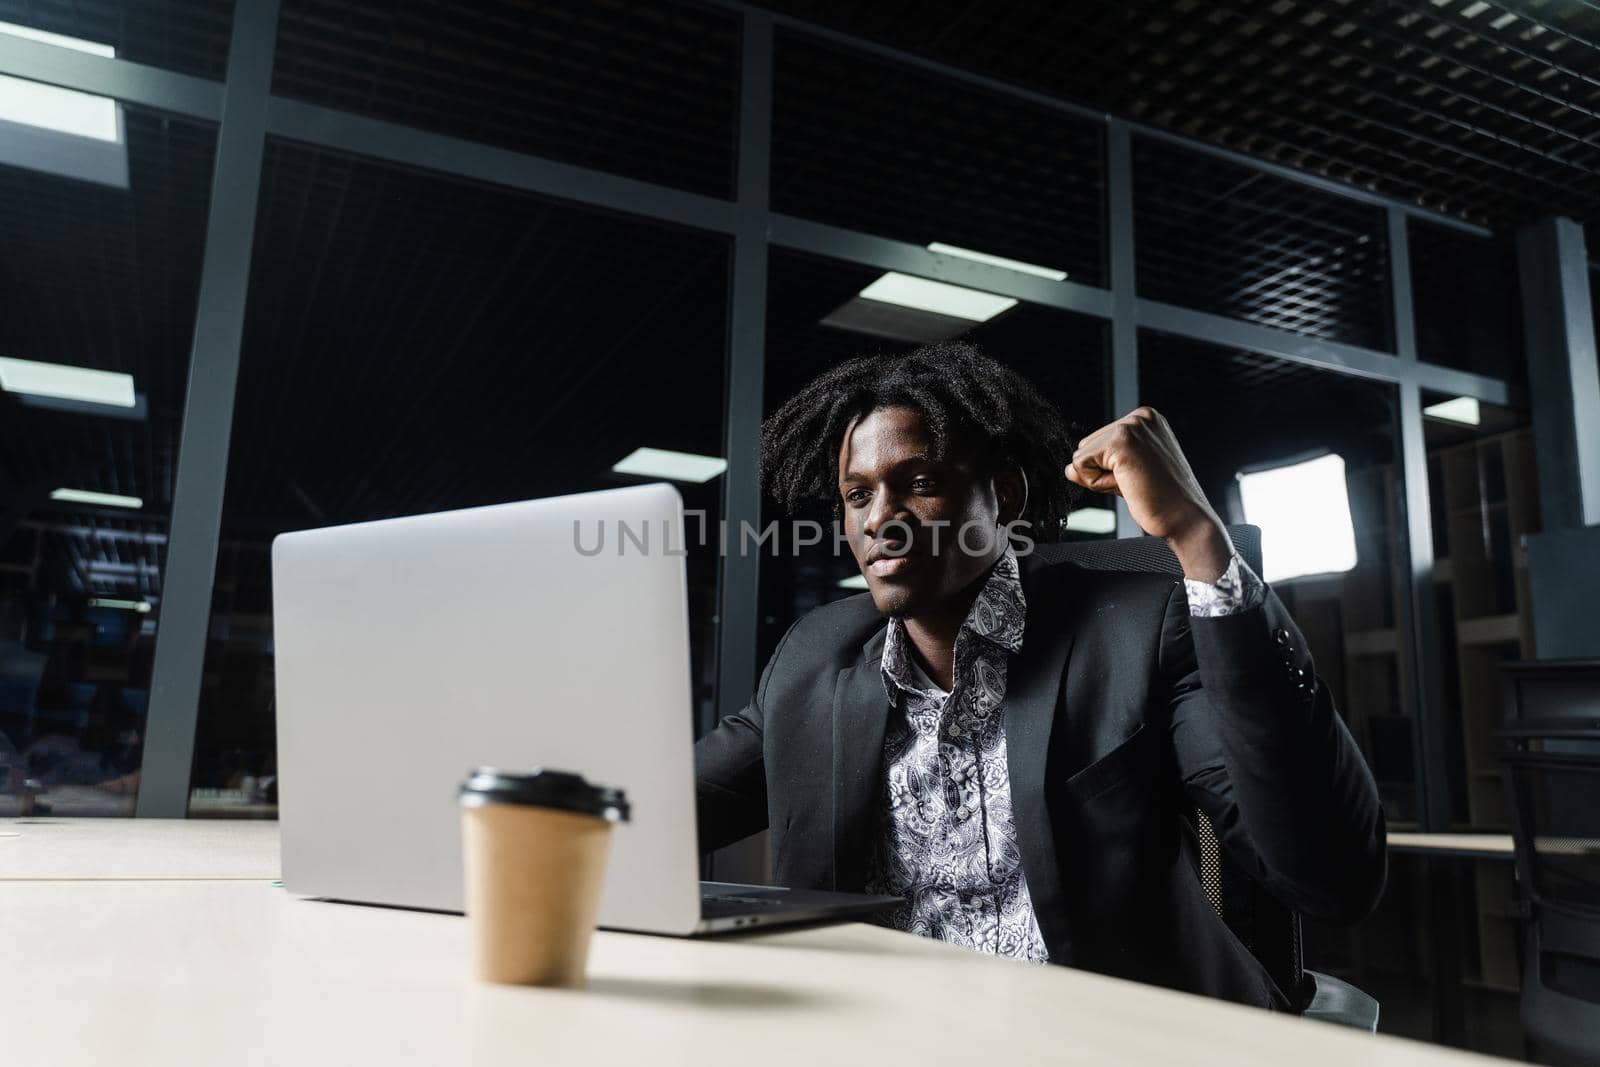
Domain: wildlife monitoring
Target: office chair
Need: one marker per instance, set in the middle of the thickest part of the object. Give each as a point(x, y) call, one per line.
point(1270, 930)
point(1552, 758)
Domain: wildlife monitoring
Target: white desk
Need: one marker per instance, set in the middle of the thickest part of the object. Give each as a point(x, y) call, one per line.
point(238, 972)
point(49, 847)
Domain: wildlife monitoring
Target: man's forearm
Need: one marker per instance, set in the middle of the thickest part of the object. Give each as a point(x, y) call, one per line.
point(1203, 550)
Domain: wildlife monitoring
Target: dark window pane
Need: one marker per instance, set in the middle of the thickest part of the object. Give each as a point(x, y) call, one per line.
point(1063, 354)
point(1485, 496)
point(415, 344)
point(1466, 301)
point(644, 90)
point(1240, 412)
point(1219, 237)
point(188, 36)
point(101, 277)
point(892, 151)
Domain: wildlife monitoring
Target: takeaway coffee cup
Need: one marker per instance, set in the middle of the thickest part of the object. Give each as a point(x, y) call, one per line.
point(534, 847)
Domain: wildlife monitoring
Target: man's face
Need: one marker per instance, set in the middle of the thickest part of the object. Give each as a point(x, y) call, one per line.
point(921, 530)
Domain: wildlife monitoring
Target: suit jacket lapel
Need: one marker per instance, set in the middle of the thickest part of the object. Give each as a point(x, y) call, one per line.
point(860, 717)
point(1033, 692)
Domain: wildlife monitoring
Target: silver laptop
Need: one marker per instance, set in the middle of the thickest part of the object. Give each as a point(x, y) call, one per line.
point(410, 651)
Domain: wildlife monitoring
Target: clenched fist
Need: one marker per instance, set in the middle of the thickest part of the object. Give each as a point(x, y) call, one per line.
point(1138, 458)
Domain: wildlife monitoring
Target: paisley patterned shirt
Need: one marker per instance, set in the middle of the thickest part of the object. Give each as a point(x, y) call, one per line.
point(947, 842)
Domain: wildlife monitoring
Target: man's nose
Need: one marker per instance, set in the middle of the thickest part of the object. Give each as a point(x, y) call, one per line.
point(886, 507)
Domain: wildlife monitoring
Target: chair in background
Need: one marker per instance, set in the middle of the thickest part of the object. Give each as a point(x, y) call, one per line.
point(1269, 929)
point(1552, 759)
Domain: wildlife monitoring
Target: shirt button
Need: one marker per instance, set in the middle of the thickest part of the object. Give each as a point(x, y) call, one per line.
point(962, 813)
point(1281, 636)
point(955, 729)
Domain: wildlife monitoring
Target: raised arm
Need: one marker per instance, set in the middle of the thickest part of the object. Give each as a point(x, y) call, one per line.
point(1260, 746)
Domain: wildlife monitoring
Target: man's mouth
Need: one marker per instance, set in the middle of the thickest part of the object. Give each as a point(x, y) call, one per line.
point(885, 563)
point(889, 565)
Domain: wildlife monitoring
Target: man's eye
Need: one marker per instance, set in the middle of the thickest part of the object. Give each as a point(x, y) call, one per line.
point(923, 484)
point(856, 496)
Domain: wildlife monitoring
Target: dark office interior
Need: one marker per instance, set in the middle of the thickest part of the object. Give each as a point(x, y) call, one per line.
point(358, 261)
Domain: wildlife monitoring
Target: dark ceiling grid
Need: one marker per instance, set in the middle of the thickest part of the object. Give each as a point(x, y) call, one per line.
point(1218, 237)
point(644, 90)
point(1485, 37)
point(1508, 128)
point(1286, 94)
point(1490, 111)
point(1513, 94)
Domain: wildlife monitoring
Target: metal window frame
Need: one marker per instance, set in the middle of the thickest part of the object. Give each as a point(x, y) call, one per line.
point(195, 527)
point(248, 113)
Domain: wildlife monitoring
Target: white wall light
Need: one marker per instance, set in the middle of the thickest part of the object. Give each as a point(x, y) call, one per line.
point(1092, 520)
point(1303, 510)
point(673, 466)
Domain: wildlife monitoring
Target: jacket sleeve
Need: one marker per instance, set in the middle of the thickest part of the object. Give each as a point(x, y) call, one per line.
point(730, 777)
point(1264, 753)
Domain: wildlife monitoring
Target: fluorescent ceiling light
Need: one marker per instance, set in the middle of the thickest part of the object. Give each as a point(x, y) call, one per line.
point(938, 297)
point(51, 107)
point(1463, 409)
point(94, 48)
point(67, 383)
point(1303, 510)
point(674, 466)
point(855, 581)
point(85, 496)
point(999, 261)
point(141, 606)
point(1092, 520)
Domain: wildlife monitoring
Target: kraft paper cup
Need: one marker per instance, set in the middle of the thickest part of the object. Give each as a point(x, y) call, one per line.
point(534, 848)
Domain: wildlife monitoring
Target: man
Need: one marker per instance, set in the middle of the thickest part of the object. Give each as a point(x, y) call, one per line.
point(1010, 746)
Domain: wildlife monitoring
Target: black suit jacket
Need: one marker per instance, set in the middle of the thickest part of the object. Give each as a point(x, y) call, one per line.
point(1122, 715)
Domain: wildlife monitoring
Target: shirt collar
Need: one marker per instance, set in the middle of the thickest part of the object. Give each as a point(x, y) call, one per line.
point(997, 616)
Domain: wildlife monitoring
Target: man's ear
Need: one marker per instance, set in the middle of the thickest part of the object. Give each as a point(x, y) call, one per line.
point(1011, 493)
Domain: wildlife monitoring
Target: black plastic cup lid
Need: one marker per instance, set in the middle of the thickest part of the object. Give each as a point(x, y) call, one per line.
point(543, 788)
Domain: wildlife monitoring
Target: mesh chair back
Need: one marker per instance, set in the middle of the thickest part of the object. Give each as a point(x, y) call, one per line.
point(1268, 929)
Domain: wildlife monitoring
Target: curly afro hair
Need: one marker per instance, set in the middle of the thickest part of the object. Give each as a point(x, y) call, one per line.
point(966, 399)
